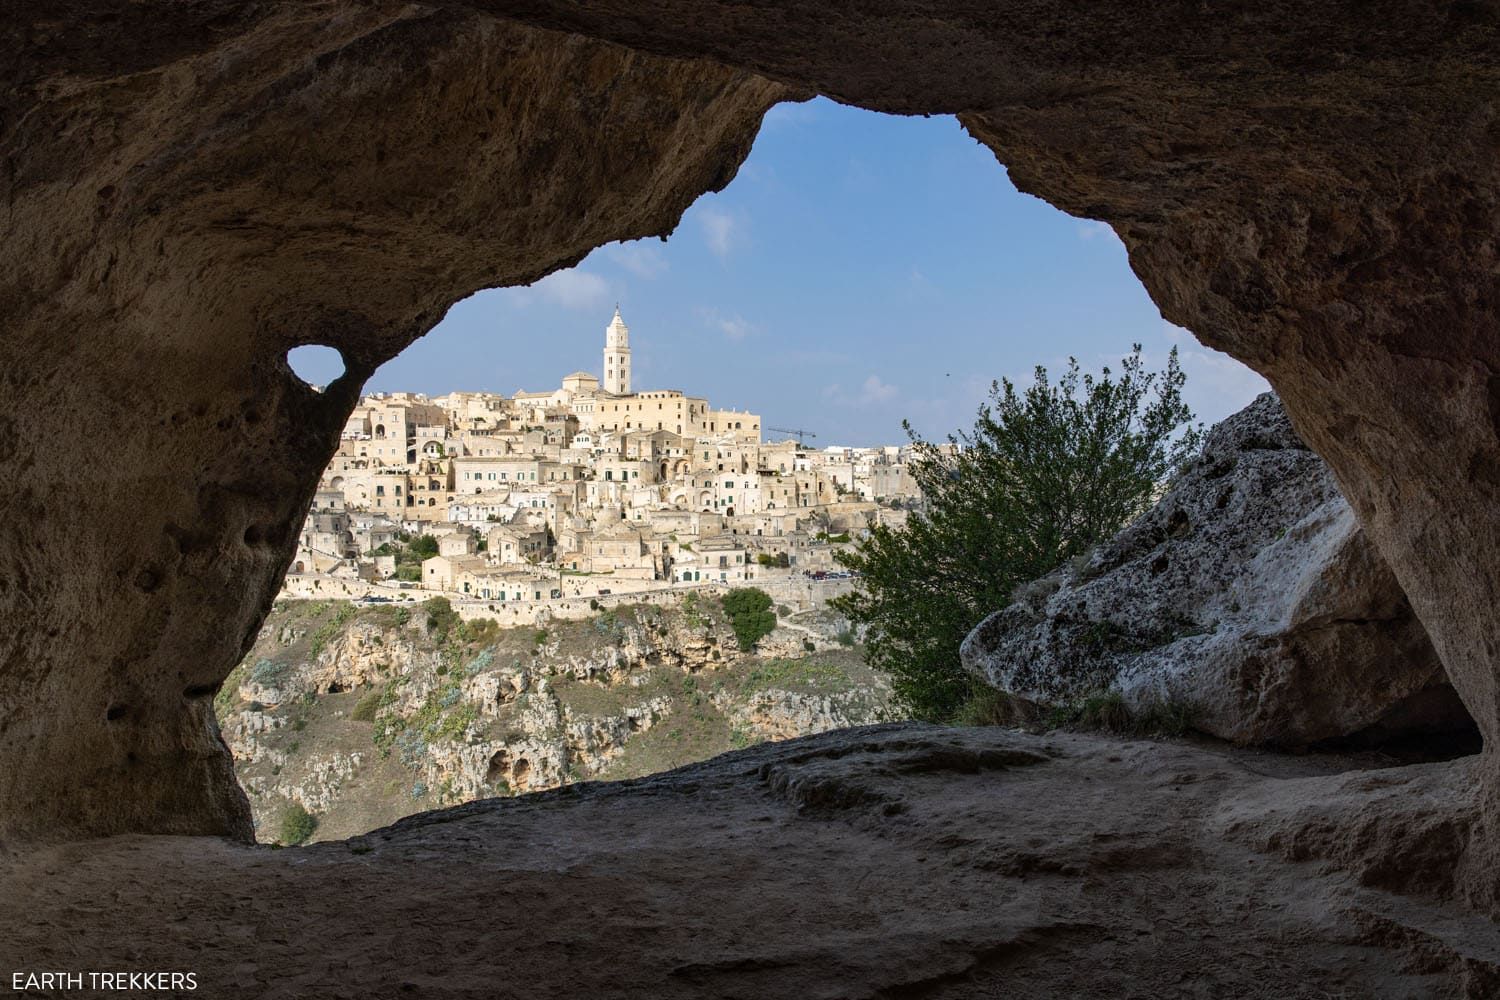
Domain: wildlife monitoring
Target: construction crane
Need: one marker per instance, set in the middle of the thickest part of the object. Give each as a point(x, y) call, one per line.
point(793, 430)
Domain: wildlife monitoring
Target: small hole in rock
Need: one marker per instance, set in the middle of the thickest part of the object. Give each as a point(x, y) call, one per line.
point(115, 712)
point(316, 364)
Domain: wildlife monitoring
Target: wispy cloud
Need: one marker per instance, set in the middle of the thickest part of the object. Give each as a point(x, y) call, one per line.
point(919, 286)
point(1090, 230)
point(873, 391)
point(721, 230)
point(640, 258)
point(733, 327)
point(790, 113)
point(571, 289)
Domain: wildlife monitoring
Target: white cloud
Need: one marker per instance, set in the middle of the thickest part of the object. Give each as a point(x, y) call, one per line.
point(571, 289)
point(640, 258)
point(719, 230)
point(1092, 229)
point(734, 327)
point(873, 391)
point(876, 391)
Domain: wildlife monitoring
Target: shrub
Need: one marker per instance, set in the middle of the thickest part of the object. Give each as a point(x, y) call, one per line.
point(593, 604)
point(1106, 710)
point(297, 824)
point(479, 630)
point(750, 615)
point(1044, 475)
point(365, 708)
point(269, 673)
point(441, 618)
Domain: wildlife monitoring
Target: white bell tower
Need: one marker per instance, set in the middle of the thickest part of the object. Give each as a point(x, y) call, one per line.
point(617, 356)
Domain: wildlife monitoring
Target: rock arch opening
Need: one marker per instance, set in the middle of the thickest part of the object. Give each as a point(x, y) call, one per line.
point(316, 364)
point(1001, 271)
point(1339, 240)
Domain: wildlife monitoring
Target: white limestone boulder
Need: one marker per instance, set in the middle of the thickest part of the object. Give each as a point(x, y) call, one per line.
point(1249, 596)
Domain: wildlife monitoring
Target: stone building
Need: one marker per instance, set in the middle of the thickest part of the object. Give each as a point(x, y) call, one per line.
point(591, 478)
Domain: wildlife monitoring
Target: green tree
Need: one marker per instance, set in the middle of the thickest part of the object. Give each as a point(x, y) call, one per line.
point(297, 824)
point(423, 547)
point(1045, 474)
point(750, 615)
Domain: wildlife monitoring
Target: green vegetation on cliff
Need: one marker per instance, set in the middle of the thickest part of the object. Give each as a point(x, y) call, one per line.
point(409, 707)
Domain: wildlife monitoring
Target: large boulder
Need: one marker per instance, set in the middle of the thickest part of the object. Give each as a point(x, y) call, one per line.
point(1249, 597)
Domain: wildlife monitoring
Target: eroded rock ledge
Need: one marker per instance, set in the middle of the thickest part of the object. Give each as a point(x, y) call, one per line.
point(878, 862)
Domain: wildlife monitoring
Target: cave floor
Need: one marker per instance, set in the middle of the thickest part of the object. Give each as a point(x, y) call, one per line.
point(892, 861)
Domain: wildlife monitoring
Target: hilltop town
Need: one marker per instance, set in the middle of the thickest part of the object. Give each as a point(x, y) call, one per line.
point(535, 500)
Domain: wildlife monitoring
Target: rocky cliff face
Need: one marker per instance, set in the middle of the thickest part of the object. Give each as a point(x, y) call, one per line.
point(1249, 598)
point(362, 715)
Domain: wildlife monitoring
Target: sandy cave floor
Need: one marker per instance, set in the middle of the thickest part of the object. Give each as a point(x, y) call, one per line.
point(893, 861)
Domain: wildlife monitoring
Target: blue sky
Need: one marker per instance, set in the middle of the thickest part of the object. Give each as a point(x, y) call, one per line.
point(860, 269)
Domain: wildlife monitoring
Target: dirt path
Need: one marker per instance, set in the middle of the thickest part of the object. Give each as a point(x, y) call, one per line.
point(899, 861)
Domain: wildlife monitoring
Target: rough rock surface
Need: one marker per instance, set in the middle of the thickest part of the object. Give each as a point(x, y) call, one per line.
point(906, 861)
point(1249, 596)
point(190, 190)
